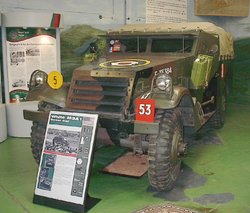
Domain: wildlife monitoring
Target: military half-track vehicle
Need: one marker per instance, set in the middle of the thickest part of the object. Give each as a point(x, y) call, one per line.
point(181, 67)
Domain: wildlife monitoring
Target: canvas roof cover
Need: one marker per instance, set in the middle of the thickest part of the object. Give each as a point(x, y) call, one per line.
point(226, 39)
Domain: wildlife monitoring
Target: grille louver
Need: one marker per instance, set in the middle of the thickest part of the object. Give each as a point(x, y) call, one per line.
point(105, 96)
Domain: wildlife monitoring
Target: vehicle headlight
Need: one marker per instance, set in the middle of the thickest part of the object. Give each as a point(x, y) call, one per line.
point(164, 83)
point(37, 79)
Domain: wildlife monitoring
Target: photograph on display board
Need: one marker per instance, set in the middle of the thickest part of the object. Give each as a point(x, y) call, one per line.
point(62, 141)
point(46, 172)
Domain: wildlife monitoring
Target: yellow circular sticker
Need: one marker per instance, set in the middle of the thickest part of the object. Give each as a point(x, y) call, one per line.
point(124, 63)
point(55, 80)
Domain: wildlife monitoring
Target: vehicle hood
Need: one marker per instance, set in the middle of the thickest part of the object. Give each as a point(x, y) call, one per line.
point(133, 64)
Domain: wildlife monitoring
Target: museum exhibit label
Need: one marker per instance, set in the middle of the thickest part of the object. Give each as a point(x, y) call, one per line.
point(28, 49)
point(31, 41)
point(65, 163)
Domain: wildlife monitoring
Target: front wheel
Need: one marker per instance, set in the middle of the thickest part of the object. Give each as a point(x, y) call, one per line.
point(218, 118)
point(164, 150)
point(37, 138)
point(38, 130)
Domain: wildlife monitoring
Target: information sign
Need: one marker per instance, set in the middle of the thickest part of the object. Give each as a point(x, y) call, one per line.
point(28, 49)
point(158, 11)
point(65, 163)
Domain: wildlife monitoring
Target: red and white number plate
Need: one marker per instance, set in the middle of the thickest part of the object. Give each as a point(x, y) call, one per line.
point(145, 110)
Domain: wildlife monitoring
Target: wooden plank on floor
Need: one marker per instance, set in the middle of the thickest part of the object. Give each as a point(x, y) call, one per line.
point(129, 164)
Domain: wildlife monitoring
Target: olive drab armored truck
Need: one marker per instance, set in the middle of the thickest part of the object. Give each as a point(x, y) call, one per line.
point(181, 67)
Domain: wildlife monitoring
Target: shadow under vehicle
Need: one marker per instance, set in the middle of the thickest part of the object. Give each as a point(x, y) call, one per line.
point(182, 67)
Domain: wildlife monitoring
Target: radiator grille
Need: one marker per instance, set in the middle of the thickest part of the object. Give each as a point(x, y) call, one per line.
point(96, 94)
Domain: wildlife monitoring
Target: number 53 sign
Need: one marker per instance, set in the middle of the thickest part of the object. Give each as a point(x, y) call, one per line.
point(145, 110)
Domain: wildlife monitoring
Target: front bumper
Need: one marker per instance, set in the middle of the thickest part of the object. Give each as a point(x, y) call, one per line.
point(38, 116)
point(139, 127)
point(146, 127)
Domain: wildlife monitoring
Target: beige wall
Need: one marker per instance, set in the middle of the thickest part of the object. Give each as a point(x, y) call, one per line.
point(114, 13)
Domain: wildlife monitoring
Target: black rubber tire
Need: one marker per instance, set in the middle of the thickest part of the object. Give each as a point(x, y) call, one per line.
point(37, 139)
point(163, 157)
point(38, 130)
point(218, 118)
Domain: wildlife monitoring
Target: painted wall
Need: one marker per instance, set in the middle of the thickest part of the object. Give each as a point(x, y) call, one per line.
point(105, 14)
point(238, 26)
point(98, 13)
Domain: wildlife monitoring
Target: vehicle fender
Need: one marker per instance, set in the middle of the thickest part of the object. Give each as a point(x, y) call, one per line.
point(182, 100)
point(46, 93)
point(163, 102)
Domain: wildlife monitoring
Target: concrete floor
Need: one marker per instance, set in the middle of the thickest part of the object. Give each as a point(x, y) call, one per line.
point(215, 175)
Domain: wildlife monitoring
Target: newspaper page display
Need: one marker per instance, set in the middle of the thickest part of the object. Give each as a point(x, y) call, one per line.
point(28, 49)
point(166, 11)
point(66, 156)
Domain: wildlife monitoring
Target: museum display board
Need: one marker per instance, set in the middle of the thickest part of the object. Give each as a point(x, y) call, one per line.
point(66, 159)
point(30, 41)
point(28, 49)
point(170, 11)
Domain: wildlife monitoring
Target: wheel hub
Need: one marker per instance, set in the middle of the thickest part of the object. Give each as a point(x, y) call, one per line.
point(175, 150)
point(178, 148)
